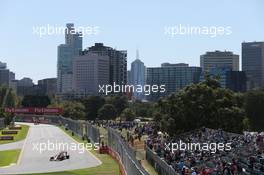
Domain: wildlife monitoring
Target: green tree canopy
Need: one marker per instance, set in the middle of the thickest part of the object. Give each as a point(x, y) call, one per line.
point(7, 99)
point(11, 99)
point(74, 110)
point(128, 114)
point(142, 109)
point(35, 101)
point(254, 106)
point(92, 104)
point(120, 102)
point(201, 105)
point(107, 112)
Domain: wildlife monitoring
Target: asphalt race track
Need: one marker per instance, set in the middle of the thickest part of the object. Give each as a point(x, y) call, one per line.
point(32, 161)
point(14, 145)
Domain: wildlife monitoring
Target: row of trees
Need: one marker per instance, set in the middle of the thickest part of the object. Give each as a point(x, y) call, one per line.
point(204, 104)
point(96, 107)
point(254, 108)
point(93, 107)
point(105, 108)
point(7, 97)
point(36, 101)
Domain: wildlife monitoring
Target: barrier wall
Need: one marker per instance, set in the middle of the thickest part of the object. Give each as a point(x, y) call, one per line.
point(116, 157)
point(159, 165)
point(127, 155)
point(75, 126)
point(93, 133)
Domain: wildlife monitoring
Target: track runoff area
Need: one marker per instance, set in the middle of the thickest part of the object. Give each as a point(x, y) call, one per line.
point(47, 148)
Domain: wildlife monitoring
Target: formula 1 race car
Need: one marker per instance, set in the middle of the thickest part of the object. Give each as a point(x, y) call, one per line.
point(60, 157)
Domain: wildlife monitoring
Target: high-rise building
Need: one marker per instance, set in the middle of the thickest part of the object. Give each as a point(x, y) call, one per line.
point(26, 82)
point(12, 76)
point(173, 76)
point(12, 81)
point(253, 63)
point(89, 71)
point(66, 82)
point(24, 86)
point(2, 65)
point(117, 62)
point(66, 52)
point(218, 59)
point(137, 76)
point(5, 75)
point(48, 86)
point(129, 77)
point(13, 85)
point(233, 80)
point(236, 81)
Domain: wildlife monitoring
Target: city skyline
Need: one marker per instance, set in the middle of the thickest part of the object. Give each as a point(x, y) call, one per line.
point(35, 57)
point(132, 87)
point(5, 64)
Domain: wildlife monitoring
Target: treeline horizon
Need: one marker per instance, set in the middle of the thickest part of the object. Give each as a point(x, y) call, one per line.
point(205, 104)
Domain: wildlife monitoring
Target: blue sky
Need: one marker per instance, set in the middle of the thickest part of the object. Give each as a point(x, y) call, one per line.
point(125, 25)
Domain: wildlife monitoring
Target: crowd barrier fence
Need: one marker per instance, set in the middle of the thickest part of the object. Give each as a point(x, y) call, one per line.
point(159, 165)
point(93, 133)
point(127, 155)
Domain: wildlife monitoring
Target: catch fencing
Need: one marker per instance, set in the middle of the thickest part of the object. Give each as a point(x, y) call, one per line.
point(48, 119)
point(160, 165)
point(126, 154)
point(75, 126)
point(2, 123)
point(93, 133)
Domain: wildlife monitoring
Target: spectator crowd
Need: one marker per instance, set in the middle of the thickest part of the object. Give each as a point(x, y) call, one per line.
point(246, 155)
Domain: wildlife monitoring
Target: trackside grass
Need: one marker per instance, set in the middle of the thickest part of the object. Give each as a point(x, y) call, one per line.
point(21, 135)
point(8, 157)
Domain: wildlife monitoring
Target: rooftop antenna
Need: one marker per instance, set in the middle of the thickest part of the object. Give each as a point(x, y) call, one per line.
point(137, 54)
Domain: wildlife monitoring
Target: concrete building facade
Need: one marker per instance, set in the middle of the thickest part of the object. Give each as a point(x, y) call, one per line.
point(173, 76)
point(253, 63)
point(218, 59)
point(89, 71)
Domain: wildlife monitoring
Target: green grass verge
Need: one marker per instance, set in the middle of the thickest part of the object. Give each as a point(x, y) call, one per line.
point(8, 157)
point(108, 166)
point(21, 135)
